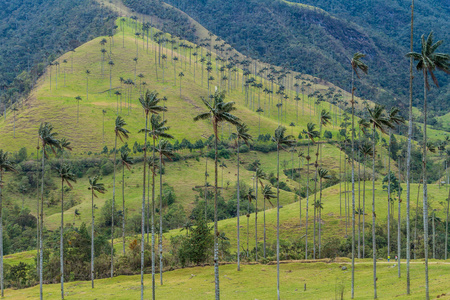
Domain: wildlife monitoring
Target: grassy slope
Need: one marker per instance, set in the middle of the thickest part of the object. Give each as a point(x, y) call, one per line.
point(323, 281)
point(59, 107)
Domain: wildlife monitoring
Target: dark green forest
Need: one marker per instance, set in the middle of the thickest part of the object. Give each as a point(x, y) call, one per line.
point(34, 32)
point(320, 42)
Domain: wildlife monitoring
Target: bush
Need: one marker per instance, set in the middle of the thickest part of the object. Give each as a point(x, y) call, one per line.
point(107, 168)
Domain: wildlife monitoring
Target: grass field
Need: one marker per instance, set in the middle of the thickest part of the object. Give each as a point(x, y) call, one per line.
point(322, 280)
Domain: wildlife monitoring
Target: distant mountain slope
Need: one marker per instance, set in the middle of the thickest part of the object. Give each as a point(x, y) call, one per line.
point(36, 31)
point(321, 41)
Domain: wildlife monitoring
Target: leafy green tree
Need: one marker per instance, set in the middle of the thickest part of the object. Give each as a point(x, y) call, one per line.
point(428, 62)
point(281, 141)
point(218, 111)
point(6, 164)
point(95, 187)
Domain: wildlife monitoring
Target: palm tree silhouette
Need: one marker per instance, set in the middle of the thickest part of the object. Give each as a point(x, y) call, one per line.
point(281, 141)
point(48, 140)
point(357, 64)
point(218, 111)
point(379, 121)
point(67, 176)
point(241, 134)
point(6, 164)
point(428, 62)
point(121, 133)
point(126, 161)
point(87, 84)
point(78, 98)
point(150, 104)
point(94, 187)
point(181, 75)
point(312, 135)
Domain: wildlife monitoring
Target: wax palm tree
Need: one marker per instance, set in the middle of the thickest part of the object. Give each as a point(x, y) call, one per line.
point(428, 62)
point(366, 151)
point(259, 111)
point(408, 159)
point(78, 98)
point(325, 119)
point(259, 175)
point(281, 141)
point(164, 150)
point(48, 140)
point(241, 134)
point(118, 93)
point(181, 75)
point(380, 121)
point(267, 195)
point(312, 135)
point(67, 176)
point(357, 64)
point(121, 133)
point(95, 187)
point(150, 104)
point(6, 164)
point(126, 161)
point(111, 65)
point(218, 112)
point(363, 125)
point(323, 174)
point(250, 197)
point(87, 84)
point(175, 59)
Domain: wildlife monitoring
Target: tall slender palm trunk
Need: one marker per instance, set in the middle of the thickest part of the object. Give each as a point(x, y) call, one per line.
point(408, 161)
point(61, 239)
point(307, 203)
point(41, 241)
point(113, 206)
point(278, 222)
point(238, 214)
point(425, 191)
point(256, 220)
point(123, 210)
point(1, 233)
point(92, 239)
point(160, 223)
point(153, 223)
point(353, 186)
point(374, 246)
point(216, 231)
point(143, 208)
point(389, 200)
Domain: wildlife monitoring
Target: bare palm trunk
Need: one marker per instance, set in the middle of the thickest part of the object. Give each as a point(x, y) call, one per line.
point(216, 231)
point(123, 209)
point(92, 240)
point(41, 241)
point(307, 203)
point(238, 214)
point(160, 223)
point(364, 211)
point(61, 240)
point(113, 205)
point(153, 222)
point(278, 222)
point(353, 186)
point(425, 192)
point(1, 233)
point(143, 208)
point(256, 220)
point(374, 246)
point(408, 161)
point(389, 200)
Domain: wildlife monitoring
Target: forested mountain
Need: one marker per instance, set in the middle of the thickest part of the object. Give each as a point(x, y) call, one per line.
point(37, 31)
point(320, 40)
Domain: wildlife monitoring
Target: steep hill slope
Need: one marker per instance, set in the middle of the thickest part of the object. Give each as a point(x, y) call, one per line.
point(320, 41)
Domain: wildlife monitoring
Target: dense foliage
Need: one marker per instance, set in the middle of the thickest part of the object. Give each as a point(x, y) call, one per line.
point(34, 32)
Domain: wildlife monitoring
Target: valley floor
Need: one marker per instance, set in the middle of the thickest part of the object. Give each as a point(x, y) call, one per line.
point(323, 280)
